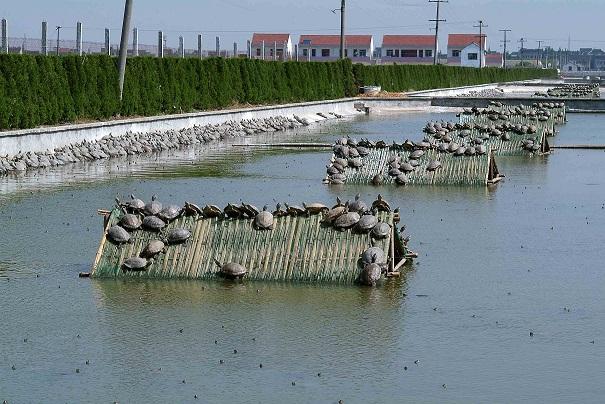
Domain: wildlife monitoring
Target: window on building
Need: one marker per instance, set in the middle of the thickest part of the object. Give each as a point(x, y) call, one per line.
point(420, 53)
point(325, 53)
point(305, 52)
point(363, 53)
point(428, 53)
point(355, 53)
point(390, 53)
point(473, 56)
point(570, 68)
point(271, 52)
point(456, 53)
point(313, 52)
point(346, 53)
point(409, 53)
point(397, 53)
point(258, 52)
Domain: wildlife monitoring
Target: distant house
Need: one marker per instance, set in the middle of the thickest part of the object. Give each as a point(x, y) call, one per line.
point(573, 66)
point(464, 50)
point(274, 46)
point(417, 49)
point(494, 59)
point(358, 48)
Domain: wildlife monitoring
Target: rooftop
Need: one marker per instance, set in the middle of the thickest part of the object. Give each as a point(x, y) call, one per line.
point(334, 40)
point(409, 40)
point(257, 38)
point(463, 40)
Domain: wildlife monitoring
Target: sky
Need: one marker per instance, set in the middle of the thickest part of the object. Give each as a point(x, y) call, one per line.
point(553, 21)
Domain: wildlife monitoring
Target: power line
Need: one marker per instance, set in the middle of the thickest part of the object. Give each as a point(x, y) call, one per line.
point(437, 20)
point(505, 41)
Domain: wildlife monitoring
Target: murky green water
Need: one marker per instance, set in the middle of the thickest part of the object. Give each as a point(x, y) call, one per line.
point(494, 265)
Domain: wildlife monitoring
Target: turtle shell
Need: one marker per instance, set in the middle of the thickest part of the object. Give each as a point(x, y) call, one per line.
point(233, 211)
point(212, 211)
point(192, 209)
point(153, 223)
point(152, 208)
point(381, 205)
point(263, 221)
point(373, 255)
point(153, 248)
point(366, 223)
point(381, 230)
point(169, 213)
point(370, 274)
point(402, 179)
point(415, 155)
point(315, 208)
point(334, 214)
point(233, 270)
point(118, 235)
point(434, 165)
point(178, 236)
point(249, 210)
point(347, 220)
point(131, 222)
point(378, 179)
point(135, 264)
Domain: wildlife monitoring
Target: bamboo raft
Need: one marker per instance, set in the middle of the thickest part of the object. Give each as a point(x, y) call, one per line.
point(463, 170)
point(298, 249)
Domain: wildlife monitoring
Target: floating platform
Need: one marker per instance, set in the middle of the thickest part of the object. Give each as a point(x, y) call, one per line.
point(298, 249)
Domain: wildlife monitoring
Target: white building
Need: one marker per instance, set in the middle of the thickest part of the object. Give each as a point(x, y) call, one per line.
point(413, 49)
point(464, 50)
point(573, 66)
point(358, 48)
point(471, 56)
point(271, 46)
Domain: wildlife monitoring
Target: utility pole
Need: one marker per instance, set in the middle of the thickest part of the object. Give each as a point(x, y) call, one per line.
point(437, 21)
point(506, 31)
point(58, 38)
point(342, 29)
point(124, 43)
point(539, 54)
point(481, 26)
point(522, 42)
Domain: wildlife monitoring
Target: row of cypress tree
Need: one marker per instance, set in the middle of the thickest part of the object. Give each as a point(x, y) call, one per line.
point(42, 90)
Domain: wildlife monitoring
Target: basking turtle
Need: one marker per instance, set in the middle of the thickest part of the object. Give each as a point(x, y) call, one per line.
point(249, 210)
point(394, 172)
point(370, 274)
point(416, 154)
point(295, 210)
point(135, 204)
point(338, 203)
point(177, 236)
point(118, 235)
point(378, 179)
point(434, 165)
point(346, 220)
point(315, 208)
point(153, 248)
point(135, 264)
point(362, 151)
point(264, 220)
point(381, 230)
point(231, 270)
point(131, 222)
point(381, 205)
point(334, 214)
point(279, 212)
point(212, 211)
point(152, 208)
point(170, 213)
point(402, 179)
point(373, 255)
point(232, 211)
point(331, 170)
point(355, 162)
point(407, 168)
point(341, 162)
point(358, 205)
point(153, 223)
point(192, 209)
point(365, 224)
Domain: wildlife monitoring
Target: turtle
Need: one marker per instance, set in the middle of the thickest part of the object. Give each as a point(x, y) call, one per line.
point(346, 220)
point(295, 210)
point(402, 179)
point(153, 248)
point(334, 214)
point(370, 274)
point(118, 235)
point(373, 255)
point(152, 208)
point(416, 154)
point(341, 162)
point(233, 211)
point(362, 151)
point(153, 223)
point(481, 149)
point(355, 162)
point(177, 236)
point(434, 165)
point(407, 168)
point(279, 212)
point(381, 230)
point(135, 204)
point(135, 264)
point(381, 205)
point(192, 209)
point(212, 211)
point(231, 270)
point(365, 224)
point(249, 210)
point(358, 205)
point(315, 208)
point(338, 203)
point(394, 172)
point(331, 170)
point(378, 179)
point(131, 222)
point(263, 220)
point(414, 163)
point(170, 213)
point(460, 152)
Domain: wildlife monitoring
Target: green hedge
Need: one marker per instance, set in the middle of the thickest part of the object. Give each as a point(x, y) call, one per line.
point(41, 90)
point(426, 77)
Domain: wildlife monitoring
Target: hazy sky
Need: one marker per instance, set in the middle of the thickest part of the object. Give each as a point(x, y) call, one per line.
point(234, 20)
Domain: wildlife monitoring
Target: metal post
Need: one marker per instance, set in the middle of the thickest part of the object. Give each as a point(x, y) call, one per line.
point(539, 54)
point(481, 26)
point(79, 38)
point(44, 44)
point(286, 51)
point(4, 36)
point(437, 20)
point(124, 43)
point(135, 42)
point(181, 47)
point(263, 50)
point(342, 29)
point(249, 49)
point(218, 47)
point(58, 38)
point(107, 42)
point(275, 51)
point(200, 40)
point(160, 44)
point(505, 42)
point(296, 51)
point(234, 49)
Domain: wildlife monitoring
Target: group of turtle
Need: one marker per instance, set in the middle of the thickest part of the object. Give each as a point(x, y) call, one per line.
point(132, 144)
point(572, 91)
point(154, 217)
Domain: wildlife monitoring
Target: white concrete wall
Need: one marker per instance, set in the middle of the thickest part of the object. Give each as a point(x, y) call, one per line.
point(466, 62)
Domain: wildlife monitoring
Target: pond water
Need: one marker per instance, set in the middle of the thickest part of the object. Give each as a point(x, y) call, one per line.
point(495, 264)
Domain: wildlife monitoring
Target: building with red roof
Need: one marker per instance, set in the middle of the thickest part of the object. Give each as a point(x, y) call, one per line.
point(358, 48)
point(464, 50)
point(271, 46)
point(417, 49)
point(494, 59)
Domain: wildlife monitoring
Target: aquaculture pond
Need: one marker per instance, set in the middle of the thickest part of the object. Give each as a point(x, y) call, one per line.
point(504, 304)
